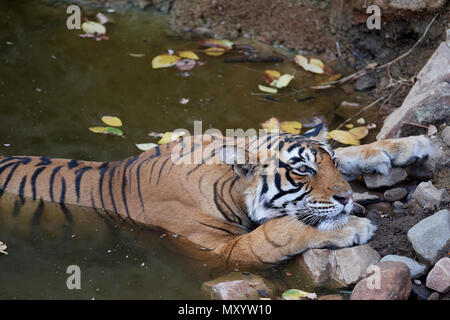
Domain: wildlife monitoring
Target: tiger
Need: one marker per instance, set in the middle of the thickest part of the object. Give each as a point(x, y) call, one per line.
point(251, 215)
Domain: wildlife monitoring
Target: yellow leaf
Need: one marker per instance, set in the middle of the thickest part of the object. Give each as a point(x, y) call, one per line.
point(282, 81)
point(267, 89)
point(164, 61)
point(291, 127)
point(215, 52)
point(188, 55)
point(295, 294)
point(313, 65)
point(112, 121)
point(93, 27)
point(349, 126)
point(359, 132)
point(225, 44)
point(271, 125)
point(270, 75)
point(344, 137)
point(170, 136)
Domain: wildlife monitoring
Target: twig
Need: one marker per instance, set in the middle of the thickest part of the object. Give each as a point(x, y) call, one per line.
point(415, 124)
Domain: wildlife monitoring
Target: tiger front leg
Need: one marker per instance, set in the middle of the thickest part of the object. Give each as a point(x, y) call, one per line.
point(281, 238)
point(381, 156)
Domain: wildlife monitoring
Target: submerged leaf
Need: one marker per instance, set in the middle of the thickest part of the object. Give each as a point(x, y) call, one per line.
point(215, 52)
point(291, 127)
point(282, 81)
point(295, 294)
point(271, 125)
point(225, 44)
point(188, 55)
point(146, 146)
point(344, 137)
point(359, 132)
point(267, 89)
point(313, 65)
point(136, 55)
point(93, 28)
point(170, 136)
point(164, 61)
point(107, 130)
point(112, 121)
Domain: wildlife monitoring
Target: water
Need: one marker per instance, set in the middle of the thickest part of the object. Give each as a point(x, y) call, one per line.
point(54, 85)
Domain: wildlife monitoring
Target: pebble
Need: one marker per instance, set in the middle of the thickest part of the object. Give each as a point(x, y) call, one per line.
point(417, 269)
point(395, 194)
point(376, 180)
point(446, 135)
point(426, 193)
point(438, 278)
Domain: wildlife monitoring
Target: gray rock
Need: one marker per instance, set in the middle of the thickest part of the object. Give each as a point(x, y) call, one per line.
point(439, 277)
point(365, 83)
point(434, 296)
point(358, 197)
point(426, 194)
point(376, 180)
point(428, 102)
point(395, 194)
point(345, 266)
point(417, 269)
point(358, 210)
point(430, 236)
point(446, 136)
point(237, 286)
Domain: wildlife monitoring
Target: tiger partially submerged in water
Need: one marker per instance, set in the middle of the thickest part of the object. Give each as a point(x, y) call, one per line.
point(251, 214)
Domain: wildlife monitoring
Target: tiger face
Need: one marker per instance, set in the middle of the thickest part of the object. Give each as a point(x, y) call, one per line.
point(304, 183)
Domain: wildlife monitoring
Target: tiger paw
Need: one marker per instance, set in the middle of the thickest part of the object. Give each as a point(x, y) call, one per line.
point(381, 156)
point(357, 231)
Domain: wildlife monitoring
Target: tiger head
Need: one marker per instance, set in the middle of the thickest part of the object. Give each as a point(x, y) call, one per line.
point(301, 179)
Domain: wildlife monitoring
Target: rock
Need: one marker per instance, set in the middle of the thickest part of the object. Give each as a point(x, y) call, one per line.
point(419, 171)
point(347, 110)
point(398, 206)
point(431, 236)
point(434, 296)
point(395, 194)
point(344, 266)
point(428, 102)
point(237, 286)
point(331, 297)
point(426, 193)
point(358, 210)
point(417, 269)
point(403, 8)
point(365, 83)
point(439, 277)
point(445, 135)
point(366, 196)
point(376, 180)
point(391, 281)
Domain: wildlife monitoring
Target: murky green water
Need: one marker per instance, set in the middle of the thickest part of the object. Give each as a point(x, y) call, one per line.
point(54, 85)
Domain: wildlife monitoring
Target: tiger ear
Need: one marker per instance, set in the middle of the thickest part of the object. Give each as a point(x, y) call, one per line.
point(240, 160)
point(318, 133)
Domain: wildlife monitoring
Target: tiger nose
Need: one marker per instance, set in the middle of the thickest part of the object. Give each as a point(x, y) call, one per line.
point(343, 197)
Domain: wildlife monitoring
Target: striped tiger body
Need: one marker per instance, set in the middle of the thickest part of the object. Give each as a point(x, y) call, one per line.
point(252, 214)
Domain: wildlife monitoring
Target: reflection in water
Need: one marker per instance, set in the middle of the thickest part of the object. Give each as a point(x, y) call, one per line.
point(54, 85)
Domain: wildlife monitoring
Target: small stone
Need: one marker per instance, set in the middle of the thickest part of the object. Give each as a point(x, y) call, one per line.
point(359, 197)
point(361, 121)
point(434, 296)
point(237, 286)
point(446, 132)
point(417, 281)
point(417, 269)
point(398, 206)
point(395, 194)
point(426, 193)
point(439, 277)
point(358, 210)
point(376, 180)
point(344, 266)
point(431, 236)
point(365, 83)
point(390, 282)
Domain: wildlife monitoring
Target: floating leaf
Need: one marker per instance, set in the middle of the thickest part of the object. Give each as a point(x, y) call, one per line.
point(282, 81)
point(349, 126)
point(225, 44)
point(112, 121)
point(170, 136)
point(136, 55)
point(146, 146)
point(271, 75)
point(313, 65)
point(359, 132)
point(164, 61)
point(267, 89)
point(188, 55)
point(344, 137)
point(271, 125)
point(295, 294)
point(215, 52)
point(291, 127)
point(107, 130)
point(102, 19)
point(93, 28)
point(3, 248)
